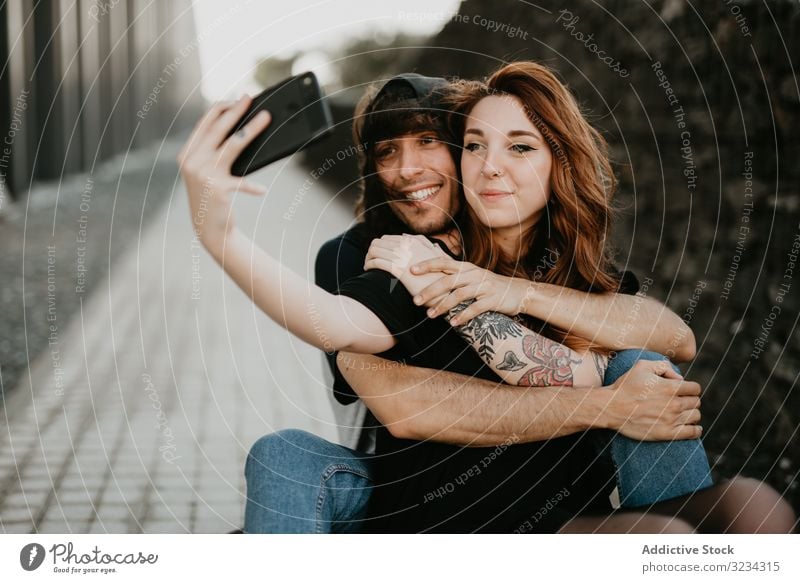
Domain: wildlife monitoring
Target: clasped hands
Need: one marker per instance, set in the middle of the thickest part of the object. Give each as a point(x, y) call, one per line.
point(440, 282)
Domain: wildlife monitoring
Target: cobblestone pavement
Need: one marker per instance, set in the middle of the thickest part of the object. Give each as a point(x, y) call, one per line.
point(140, 416)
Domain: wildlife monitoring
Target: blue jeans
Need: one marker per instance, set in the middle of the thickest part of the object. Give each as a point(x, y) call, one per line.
point(652, 471)
point(300, 483)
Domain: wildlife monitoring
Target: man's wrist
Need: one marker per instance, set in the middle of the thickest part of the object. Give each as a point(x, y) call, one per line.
point(594, 408)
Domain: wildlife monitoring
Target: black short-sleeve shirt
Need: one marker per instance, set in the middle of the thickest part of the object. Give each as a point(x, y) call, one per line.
point(338, 260)
point(436, 487)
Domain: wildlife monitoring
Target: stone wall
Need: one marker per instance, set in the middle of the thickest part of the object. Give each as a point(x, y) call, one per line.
point(700, 105)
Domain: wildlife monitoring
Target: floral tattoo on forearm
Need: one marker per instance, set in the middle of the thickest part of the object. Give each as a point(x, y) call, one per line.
point(549, 362)
point(484, 329)
point(552, 363)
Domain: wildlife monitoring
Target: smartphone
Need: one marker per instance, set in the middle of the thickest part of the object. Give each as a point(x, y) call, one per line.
point(300, 117)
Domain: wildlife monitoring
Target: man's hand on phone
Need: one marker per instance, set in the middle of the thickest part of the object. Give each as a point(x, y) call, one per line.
point(205, 165)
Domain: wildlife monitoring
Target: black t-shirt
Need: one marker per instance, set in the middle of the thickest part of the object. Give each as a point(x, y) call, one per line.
point(436, 487)
point(338, 260)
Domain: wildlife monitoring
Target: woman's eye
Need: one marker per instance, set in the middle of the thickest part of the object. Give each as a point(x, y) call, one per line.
point(428, 140)
point(471, 146)
point(522, 148)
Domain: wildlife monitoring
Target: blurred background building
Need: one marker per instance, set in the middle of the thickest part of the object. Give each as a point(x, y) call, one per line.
point(75, 73)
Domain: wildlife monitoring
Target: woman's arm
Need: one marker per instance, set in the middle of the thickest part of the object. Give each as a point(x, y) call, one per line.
point(518, 355)
point(613, 320)
point(324, 320)
point(525, 358)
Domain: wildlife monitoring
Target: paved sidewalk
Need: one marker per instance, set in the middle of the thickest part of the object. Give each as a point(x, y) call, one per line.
point(168, 375)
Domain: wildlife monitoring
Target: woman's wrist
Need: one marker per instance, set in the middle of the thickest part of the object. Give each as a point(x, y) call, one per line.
point(530, 298)
point(216, 240)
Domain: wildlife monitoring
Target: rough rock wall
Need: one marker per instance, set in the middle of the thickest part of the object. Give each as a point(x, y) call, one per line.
point(701, 105)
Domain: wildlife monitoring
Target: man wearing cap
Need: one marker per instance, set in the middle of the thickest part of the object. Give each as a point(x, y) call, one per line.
point(298, 482)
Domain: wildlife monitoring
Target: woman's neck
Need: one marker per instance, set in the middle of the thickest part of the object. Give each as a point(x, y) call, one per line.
point(513, 241)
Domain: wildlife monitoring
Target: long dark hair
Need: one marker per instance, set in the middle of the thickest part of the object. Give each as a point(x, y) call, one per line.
point(391, 119)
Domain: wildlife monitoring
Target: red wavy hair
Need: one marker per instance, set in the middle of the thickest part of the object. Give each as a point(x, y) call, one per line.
point(577, 220)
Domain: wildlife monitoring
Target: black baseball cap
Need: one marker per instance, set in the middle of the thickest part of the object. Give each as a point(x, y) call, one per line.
point(399, 102)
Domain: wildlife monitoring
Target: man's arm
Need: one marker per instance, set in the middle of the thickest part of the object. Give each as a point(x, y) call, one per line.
point(419, 403)
point(613, 320)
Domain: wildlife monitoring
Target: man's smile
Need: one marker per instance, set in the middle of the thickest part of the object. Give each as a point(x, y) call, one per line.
point(420, 194)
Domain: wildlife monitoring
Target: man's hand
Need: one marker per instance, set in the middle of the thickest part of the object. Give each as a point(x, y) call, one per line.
point(651, 402)
point(205, 163)
point(462, 281)
point(395, 253)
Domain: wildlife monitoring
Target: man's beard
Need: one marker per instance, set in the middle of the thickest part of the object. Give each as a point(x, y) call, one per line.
point(443, 223)
point(444, 227)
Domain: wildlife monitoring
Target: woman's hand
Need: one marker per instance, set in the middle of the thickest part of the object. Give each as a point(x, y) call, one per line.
point(464, 281)
point(205, 163)
point(395, 253)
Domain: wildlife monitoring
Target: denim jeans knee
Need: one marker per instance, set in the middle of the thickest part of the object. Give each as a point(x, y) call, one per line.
point(300, 483)
point(652, 471)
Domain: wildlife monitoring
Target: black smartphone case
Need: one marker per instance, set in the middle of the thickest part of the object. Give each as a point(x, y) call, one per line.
point(300, 117)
